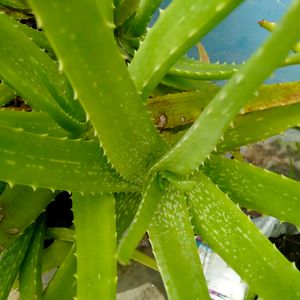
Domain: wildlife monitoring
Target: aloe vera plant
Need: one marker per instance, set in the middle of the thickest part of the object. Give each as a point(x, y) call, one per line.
point(121, 119)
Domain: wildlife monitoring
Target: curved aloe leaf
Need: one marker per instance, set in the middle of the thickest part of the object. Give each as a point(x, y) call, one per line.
point(125, 130)
point(126, 207)
point(233, 236)
point(151, 197)
point(63, 284)
point(193, 20)
point(15, 216)
point(10, 262)
point(30, 277)
point(34, 122)
point(95, 216)
point(174, 247)
point(124, 10)
point(18, 4)
point(255, 188)
point(6, 94)
point(143, 16)
point(198, 142)
point(56, 163)
point(199, 70)
point(257, 126)
point(45, 89)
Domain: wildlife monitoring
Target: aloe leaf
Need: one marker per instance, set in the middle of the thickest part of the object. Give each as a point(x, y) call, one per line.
point(34, 122)
point(54, 255)
point(61, 233)
point(6, 94)
point(145, 260)
point(126, 208)
point(15, 217)
point(10, 262)
point(198, 142)
point(124, 10)
point(199, 70)
point(257, 126)
point(234, 237)
point(256, 188)
point(63, 284)
point(45, 89)
point(125, 130)
point(193, 20)
point(56, 163)
point(17, 4)
point(151, 197)
point(30, 277)
point(174, 247)
point(97, 277)
point(143, 16)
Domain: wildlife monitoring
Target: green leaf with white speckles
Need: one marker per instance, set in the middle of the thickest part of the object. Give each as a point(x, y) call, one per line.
point(238, 241)
point(56, 163)
point(257, 189)
point(10, 262)
point(63, 285)
point(125, 130)
point(95, 216)
point(126, 208)
point(194, 19)
point(34, 122)
point(30, 277)
point(6, 94)
point(36, 78)
point(152, 195)
point(15, 217)
point(198, 142)
point(174, 247)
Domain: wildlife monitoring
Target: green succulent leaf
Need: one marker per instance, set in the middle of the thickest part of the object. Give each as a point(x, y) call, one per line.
point(256, 188)
point(30, 277)
point(6, 94)
point(33, 122)
point(124, 10)
point(194, 19)
point(143, 16)
point(63, 284)
point(10, 261)
point(56, 163)
point(151, 197)
point(238, 241)
point(120, 119)
point(96, 277)
point(196, 145)
point(36, 78)
point(126, 207)
point(174, 247)
point(17, 4)
point(15, 216)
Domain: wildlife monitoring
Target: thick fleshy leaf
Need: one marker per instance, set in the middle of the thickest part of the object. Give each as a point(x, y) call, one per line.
point(256, 188)
point(194, 18)
point(30, 277)
point(34, 122)
point(56, 163)
point(6, 94)
point(143, 16)
point(198, 142)
point(126, 208)
point(45, 89)
point(151, 197)
point(120, 119)
point(239, 242)
point(96, 258)
point(10, 262)
point(19, 207)
point(63, 284)
point(174, 247)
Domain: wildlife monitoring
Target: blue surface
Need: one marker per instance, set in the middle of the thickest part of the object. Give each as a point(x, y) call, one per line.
point(237, 37)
